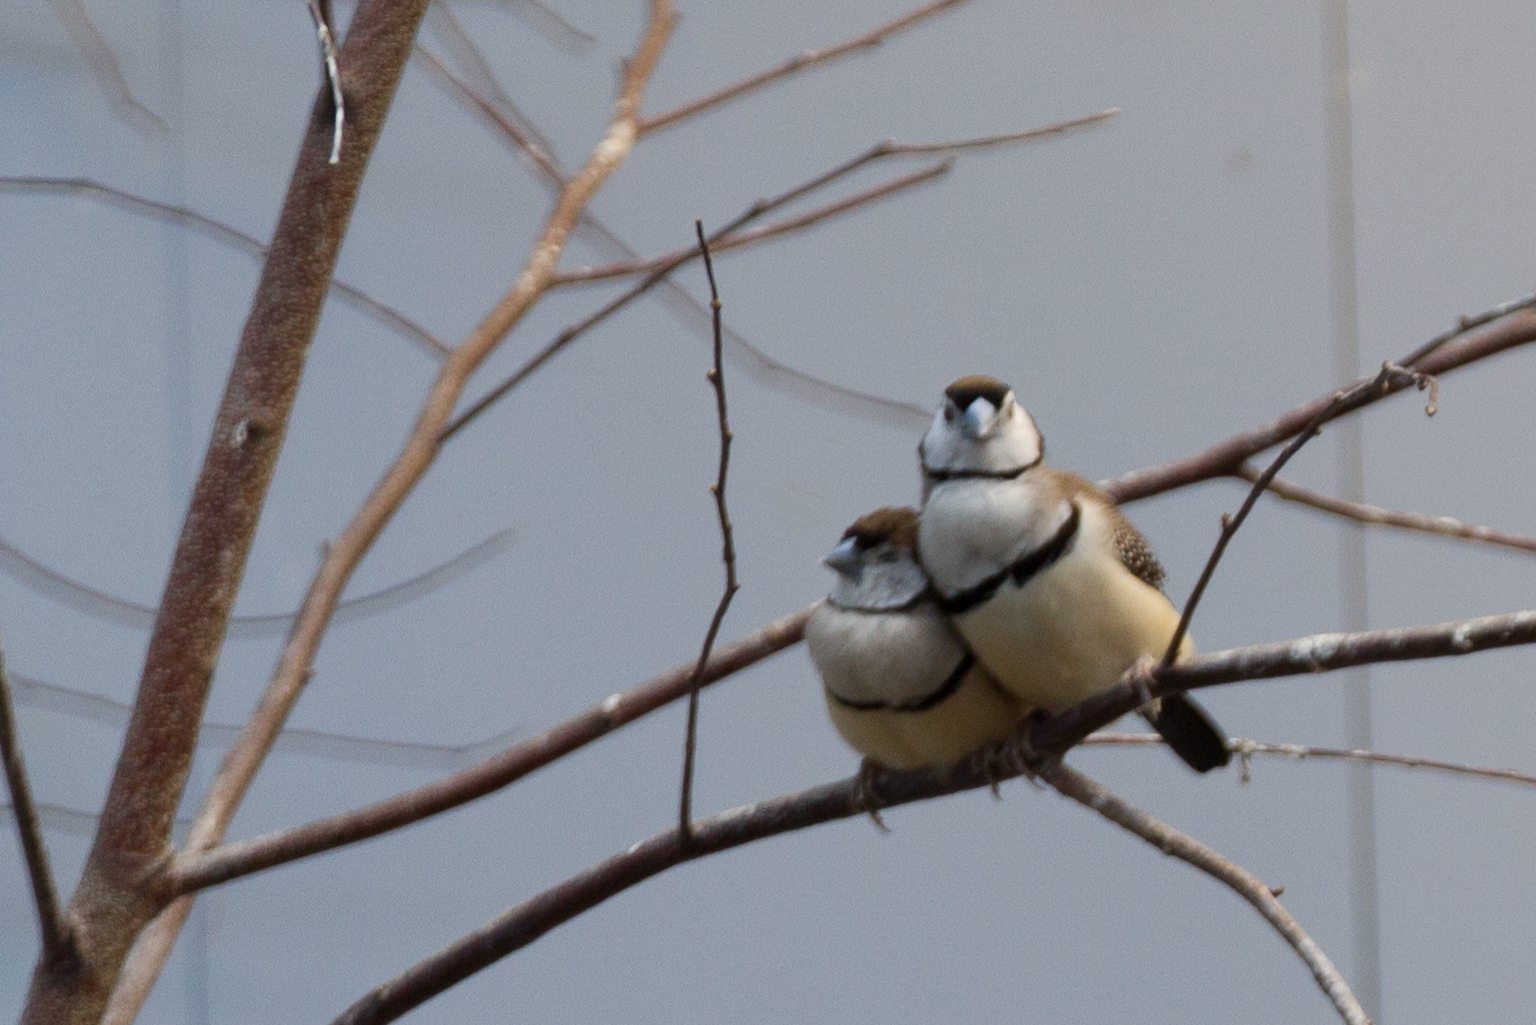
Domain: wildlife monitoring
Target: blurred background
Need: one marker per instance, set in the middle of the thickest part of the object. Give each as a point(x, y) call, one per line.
point(1293, 193)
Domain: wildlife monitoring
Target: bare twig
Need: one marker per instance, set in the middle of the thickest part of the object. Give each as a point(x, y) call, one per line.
point(219, 231)
point(1390, 374)
point(1361, 512)
point(875, 153)
point(1505, 327)
point(442, 20)
point(92, 601)
point(116, 894)
point(1245, 749)
point(553, 25)
point(727, 541)
point(827, 212)
point(194, 870)
point(332, 73)
point(526, 922)
point(104, 65)
point(53, 927)
point(1245, 884)
point(801, 62)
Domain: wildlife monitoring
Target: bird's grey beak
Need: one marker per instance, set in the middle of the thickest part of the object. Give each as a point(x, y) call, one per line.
point(979, 417)
point(844, 559)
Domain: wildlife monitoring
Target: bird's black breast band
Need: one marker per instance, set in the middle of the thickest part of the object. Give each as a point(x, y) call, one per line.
point(938, 476)
point(922, 704)
point(1028, 565)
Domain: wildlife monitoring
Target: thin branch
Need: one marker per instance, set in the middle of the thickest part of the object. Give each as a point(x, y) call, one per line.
point(526, 922)
point(332, 72)
point(1245, 749)
point(104, 66)
point(728, 543)
point(1360, 512)
point(1390, 373)
point(880, 151)
point(194, 870)
point(228, 234)
point(553, 25)
point(1096, 797)
point(801, 62)
point(827, 212)
point(53, 927)
point(442, 20)
point(100, 604)
point(1505, 327)
point(115, 898)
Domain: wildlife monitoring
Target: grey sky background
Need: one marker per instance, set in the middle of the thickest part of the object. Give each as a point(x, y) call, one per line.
point(1149, 287)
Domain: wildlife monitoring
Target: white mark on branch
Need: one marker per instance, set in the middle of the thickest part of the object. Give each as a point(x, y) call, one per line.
point(332, 68)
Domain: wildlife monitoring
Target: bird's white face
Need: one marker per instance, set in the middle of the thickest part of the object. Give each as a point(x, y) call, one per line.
point(980, 429)
point(876, 576)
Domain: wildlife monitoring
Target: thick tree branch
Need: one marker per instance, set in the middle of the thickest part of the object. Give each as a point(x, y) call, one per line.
point(800, 62)
point(1245, 884)
point(1360, 512)
point(53, 927)
point(421, 448)
point(526, 922)
point(1510, 325)
point(113, 901)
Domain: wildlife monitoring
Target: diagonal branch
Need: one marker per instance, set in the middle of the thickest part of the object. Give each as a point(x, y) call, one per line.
point(744, 239)
point(193, 870)
point(113, 901)
point(1390, 374)
point(57, 937)
point(104, 66)
point(800, 62)
point(1361, 512)
point(1096, 797)
point(1506, 327)
point(880, 151)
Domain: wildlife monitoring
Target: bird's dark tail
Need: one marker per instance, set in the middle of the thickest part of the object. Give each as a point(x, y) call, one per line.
point(1191, 732)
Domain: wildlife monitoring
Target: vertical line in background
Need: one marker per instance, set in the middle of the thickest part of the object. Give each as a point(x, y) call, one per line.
point(181, 433)
point(1360, 802)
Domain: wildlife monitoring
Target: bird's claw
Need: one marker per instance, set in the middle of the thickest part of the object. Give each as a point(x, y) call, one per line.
point(868, 769)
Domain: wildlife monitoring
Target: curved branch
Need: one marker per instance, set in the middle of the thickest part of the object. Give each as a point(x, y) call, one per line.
point(1361, 512)
point(93, 602)
point(1245, 884)
point(226, 233)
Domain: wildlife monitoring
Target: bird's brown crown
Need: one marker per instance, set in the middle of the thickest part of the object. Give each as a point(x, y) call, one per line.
point(894, 524)
point(977, 386)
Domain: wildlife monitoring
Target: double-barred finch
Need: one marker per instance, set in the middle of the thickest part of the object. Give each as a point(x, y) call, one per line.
point(901, 686)
point(1048, 582)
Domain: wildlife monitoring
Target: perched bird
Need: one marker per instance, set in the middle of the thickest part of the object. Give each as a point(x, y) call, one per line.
point(901, 686)
point(1048, 582)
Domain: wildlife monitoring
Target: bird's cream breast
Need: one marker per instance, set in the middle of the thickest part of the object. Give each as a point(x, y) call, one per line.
point(1075, 627)
point(970, 529)
point(890, 657)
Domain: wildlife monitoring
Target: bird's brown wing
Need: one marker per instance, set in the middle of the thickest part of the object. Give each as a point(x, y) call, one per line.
point(1132, 548)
